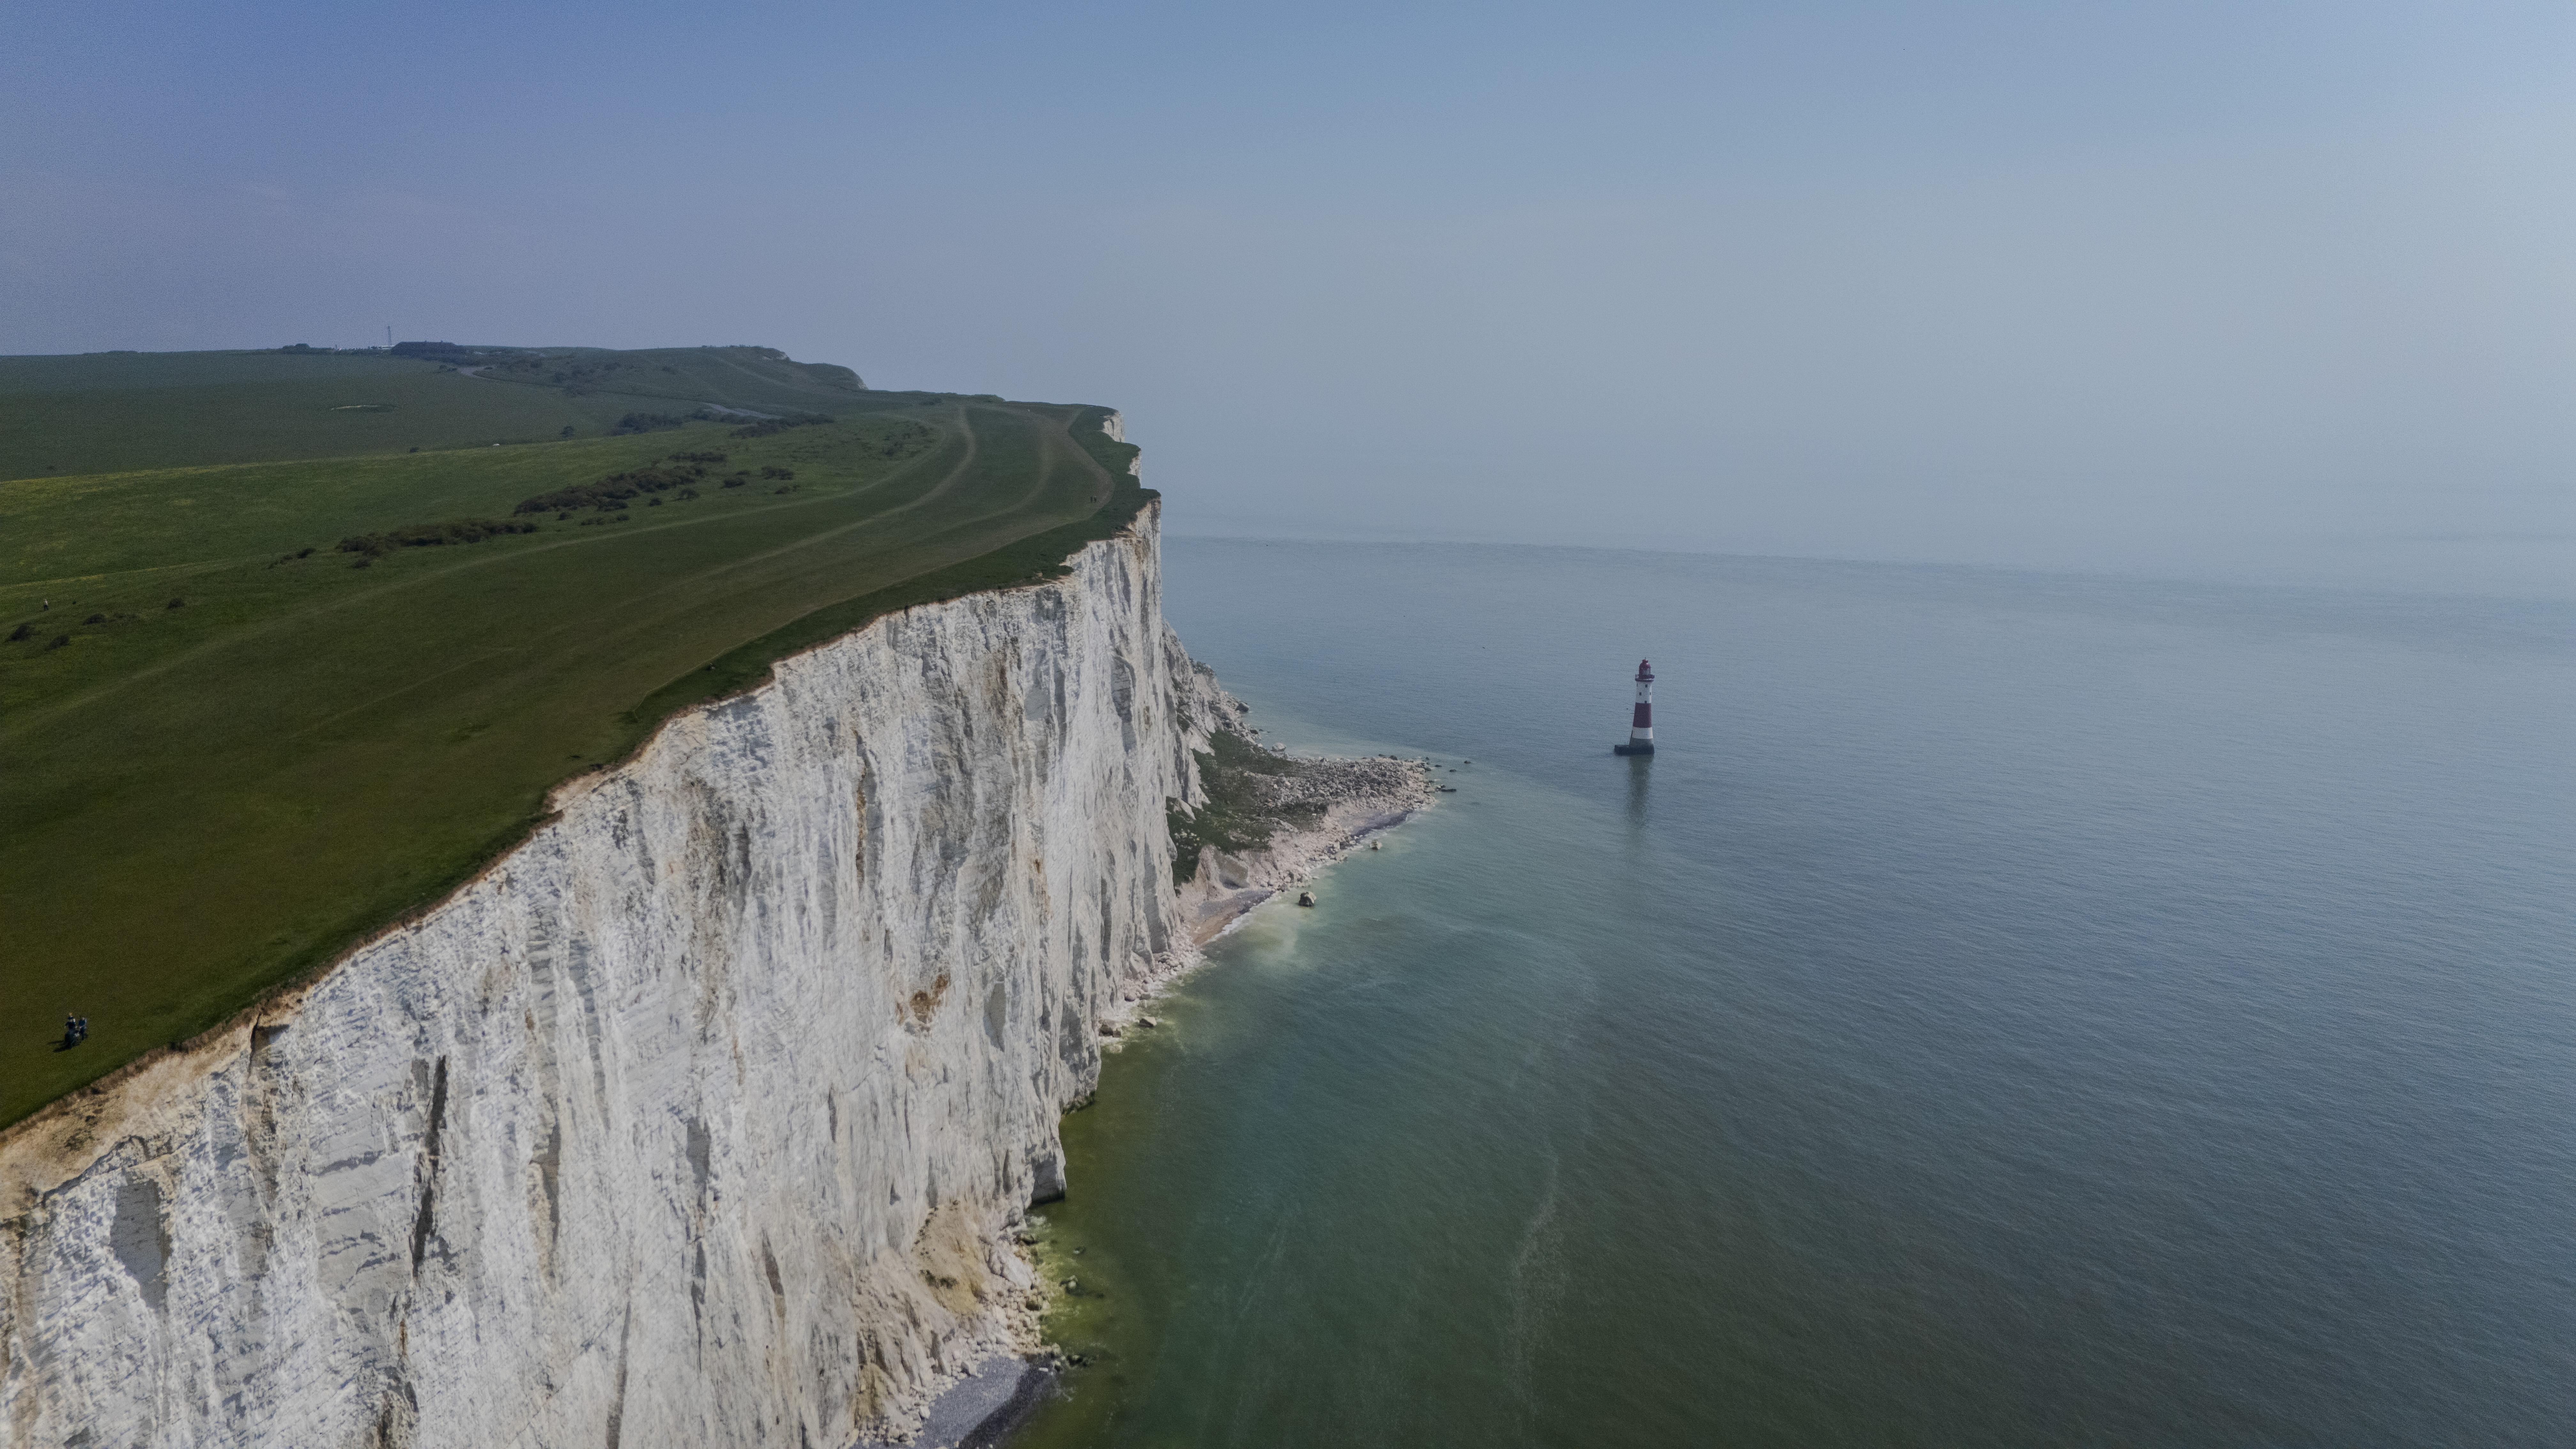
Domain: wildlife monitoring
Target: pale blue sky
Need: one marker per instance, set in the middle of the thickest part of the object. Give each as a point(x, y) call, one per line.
point(2273, 291)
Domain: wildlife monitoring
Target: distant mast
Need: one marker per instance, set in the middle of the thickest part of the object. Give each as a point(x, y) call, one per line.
point(1641, 730)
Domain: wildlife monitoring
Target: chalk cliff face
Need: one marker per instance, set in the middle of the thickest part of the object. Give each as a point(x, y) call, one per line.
point(692, 1122)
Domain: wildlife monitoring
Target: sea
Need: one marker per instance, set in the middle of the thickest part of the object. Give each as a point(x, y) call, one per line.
point(2009, 1009)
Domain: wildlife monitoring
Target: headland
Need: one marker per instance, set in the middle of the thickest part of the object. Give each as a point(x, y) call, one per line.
point(701, 1102)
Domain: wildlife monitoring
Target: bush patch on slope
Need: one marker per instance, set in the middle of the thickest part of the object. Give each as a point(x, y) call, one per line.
point(1237, 815)
point(611, 492)
point(772, 427)
point(425, 535)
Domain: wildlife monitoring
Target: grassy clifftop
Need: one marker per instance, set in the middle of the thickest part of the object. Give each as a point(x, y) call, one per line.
point(116, 412)
point(230, 745)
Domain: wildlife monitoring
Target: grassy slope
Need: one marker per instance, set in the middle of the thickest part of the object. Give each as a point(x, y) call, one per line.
point(205, 801)
point(117, 412)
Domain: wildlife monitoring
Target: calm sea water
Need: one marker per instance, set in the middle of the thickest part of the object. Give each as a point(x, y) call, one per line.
point(2012, 1010)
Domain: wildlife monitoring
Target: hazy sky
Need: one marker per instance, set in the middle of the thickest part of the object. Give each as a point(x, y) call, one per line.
point(2278, 291)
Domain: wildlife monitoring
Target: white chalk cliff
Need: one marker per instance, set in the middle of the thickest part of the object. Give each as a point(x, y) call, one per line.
point(695, 1121)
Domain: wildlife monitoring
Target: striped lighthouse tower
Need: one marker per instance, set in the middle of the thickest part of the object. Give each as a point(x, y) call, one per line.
point(1641, 730)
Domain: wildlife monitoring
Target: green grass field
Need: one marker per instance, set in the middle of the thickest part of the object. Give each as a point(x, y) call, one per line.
point(247, 755)
point(115, 412)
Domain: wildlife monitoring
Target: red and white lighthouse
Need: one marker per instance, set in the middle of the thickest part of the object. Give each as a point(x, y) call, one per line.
point(1641, 730)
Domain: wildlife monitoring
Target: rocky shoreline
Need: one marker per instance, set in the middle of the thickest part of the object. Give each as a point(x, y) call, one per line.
point(1326, 809)
point(1318, 810)
point(1347, 801)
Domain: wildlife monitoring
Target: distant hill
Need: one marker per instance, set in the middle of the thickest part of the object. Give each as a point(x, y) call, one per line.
point(271, 678)
point(115, 411)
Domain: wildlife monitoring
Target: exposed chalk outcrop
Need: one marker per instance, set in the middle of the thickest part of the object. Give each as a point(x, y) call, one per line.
point(695, 1121)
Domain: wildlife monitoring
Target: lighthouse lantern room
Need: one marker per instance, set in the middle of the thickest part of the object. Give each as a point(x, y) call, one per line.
point(1641, 730)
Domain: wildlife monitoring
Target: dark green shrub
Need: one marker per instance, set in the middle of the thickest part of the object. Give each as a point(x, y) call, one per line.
point(95, 619)
point(428, 535)
point(21, 633)
point(697, 457)
point(610, 491)
point(780, 474)
point(182, 603)
point(59, 641)
point(447, 352)
point(771, 427)
point(304, 553)
point(648, 423)
point(903, 439)
point(735, 482)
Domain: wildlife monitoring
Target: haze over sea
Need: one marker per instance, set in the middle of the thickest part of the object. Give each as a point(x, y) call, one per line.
point(2012, 1010)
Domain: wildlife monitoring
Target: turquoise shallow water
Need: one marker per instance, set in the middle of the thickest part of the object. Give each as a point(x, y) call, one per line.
point(2010, 1010)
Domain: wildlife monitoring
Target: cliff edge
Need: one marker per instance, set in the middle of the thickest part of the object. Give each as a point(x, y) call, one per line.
point(700, 1119)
